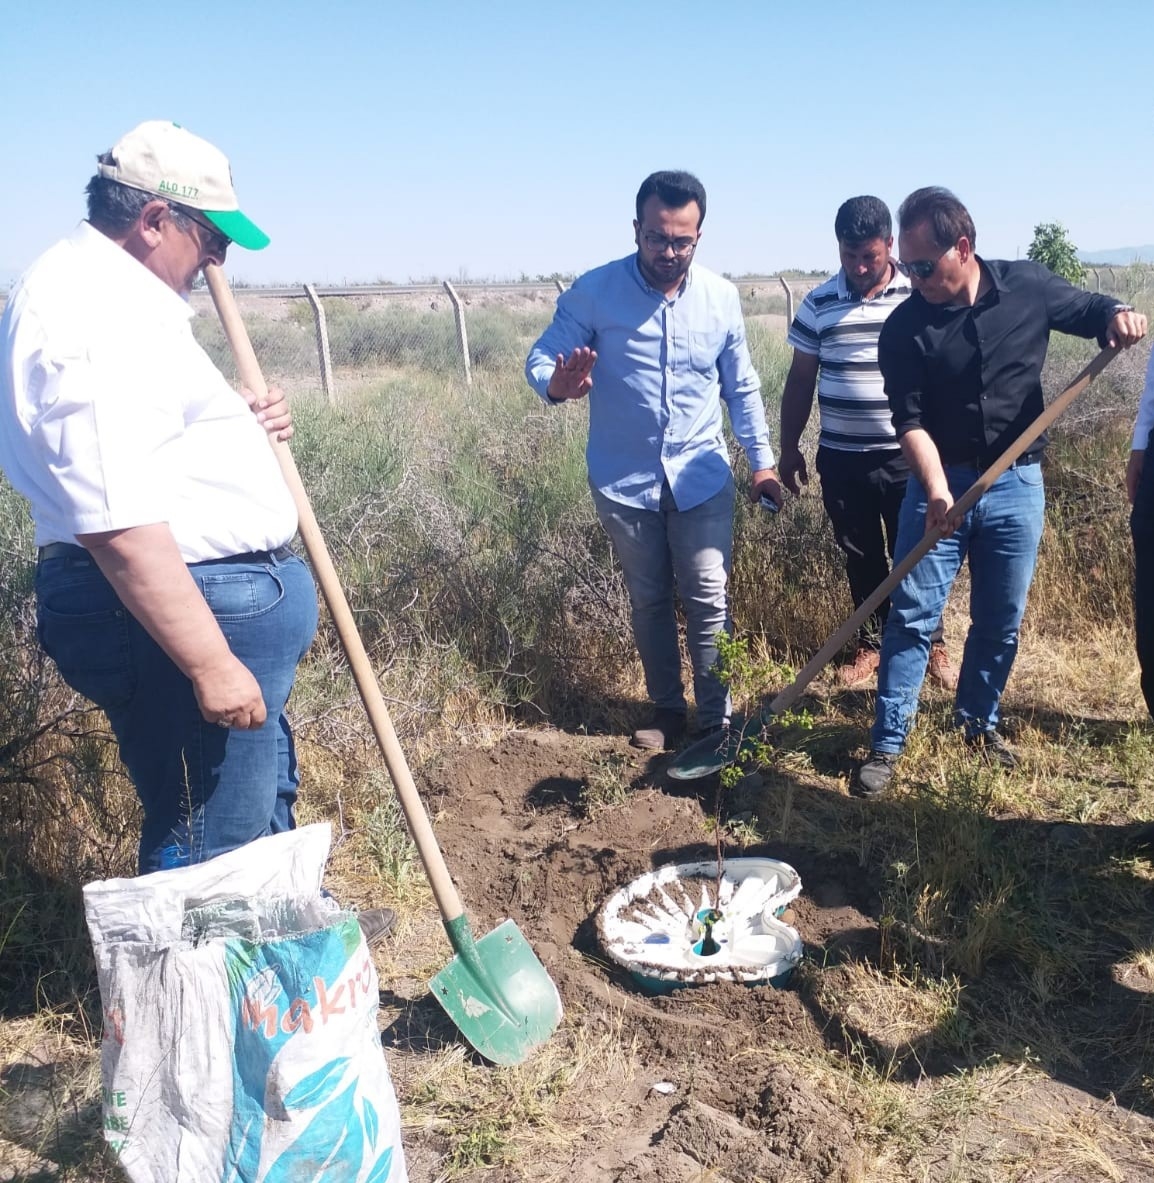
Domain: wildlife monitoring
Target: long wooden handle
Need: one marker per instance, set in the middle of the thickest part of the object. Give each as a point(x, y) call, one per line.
point(821, 658)
point(248, 368)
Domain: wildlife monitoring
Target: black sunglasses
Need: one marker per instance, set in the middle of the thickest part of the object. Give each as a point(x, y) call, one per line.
point(217, 241)
point(922, 268)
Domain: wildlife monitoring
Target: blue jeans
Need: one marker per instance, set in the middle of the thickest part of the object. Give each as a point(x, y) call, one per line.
point(1000, 537)
point(694, 548)
point(204, 789)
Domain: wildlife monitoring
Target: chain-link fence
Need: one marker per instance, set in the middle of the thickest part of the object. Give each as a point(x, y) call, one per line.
point(1135, 282)
point(336, 339)
point(346, 336)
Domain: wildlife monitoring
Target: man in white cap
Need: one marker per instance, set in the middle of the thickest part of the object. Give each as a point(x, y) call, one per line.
point(166, 589)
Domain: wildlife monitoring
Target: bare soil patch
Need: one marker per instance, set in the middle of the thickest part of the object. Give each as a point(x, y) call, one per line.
point(751, 1083)
point(513, 829)
point(866, 1067)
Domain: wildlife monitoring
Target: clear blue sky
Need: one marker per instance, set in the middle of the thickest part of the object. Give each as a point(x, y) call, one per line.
point(482, 140)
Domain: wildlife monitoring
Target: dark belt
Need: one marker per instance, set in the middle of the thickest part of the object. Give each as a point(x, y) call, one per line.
point(70, 550)
point(981, 465)
point(62, 550)
point(253, 556)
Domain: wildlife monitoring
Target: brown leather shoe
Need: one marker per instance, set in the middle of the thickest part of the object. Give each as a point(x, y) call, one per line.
point(661, 732)
point(859, 671)
point(941, 669)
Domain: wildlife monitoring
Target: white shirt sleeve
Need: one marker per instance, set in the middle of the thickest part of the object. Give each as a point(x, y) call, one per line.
point(102, 434)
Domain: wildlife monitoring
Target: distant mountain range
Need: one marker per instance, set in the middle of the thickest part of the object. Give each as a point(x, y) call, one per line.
point(1121, 256)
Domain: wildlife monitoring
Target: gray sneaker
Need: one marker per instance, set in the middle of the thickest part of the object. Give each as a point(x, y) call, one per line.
point(376, 924)
point(874, 775)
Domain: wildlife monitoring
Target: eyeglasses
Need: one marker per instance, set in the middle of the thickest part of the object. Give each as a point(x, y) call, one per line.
point(212, 241)
point(922, 268)
point(660, 244)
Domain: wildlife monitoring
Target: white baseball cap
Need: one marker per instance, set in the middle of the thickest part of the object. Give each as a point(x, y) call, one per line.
point(163, 158)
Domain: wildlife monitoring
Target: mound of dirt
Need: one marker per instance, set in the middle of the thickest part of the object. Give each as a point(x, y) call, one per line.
point(515, 829)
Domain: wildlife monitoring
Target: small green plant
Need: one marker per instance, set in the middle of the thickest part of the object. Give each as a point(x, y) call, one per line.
point(897, 924)
point(483, 1145)
point(604, 786)
point(748, 678)
point(748, 681)
point(744, 832)
point(393, 851)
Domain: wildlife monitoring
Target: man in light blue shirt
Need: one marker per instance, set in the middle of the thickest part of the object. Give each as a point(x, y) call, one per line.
point(668, 342)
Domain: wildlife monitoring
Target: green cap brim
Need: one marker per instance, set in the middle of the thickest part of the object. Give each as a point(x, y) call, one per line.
point(239, 228)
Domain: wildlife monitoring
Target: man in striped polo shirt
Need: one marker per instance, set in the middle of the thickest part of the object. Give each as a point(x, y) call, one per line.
point(863, 473)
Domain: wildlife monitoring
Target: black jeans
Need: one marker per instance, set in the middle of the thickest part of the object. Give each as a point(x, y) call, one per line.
point(862, 493)
point(1142, 533)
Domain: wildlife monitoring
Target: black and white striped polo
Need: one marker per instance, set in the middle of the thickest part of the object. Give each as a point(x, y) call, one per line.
point(841, 329)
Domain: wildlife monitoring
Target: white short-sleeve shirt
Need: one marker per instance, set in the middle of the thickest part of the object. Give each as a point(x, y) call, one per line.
point(112, 416)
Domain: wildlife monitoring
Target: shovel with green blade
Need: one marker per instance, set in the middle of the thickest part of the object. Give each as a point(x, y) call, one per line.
point(495, 989)
point(718, 751)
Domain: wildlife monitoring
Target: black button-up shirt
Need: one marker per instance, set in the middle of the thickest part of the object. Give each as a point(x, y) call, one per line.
point(971, 376)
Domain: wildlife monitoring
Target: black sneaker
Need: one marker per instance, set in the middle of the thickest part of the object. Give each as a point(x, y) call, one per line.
point(994, 749)
point(376, 924)
point(661, 732)
point(874, 775)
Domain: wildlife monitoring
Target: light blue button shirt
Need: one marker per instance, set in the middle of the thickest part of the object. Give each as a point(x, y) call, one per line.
point(664, 365)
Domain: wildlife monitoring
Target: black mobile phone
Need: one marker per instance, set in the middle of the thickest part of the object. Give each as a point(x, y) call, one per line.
point(767, 502)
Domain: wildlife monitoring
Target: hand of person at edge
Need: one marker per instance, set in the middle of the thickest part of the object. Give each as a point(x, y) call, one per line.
point(272, 412)
point(229, 695)
point(939, 514)
point(791, 465)
point(572, 378)
point(764, 481)
point(1134, 474)
point(1126, 329)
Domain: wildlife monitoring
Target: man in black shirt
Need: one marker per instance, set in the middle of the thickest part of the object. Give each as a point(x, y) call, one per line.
point(962, 361)
point(863, 472)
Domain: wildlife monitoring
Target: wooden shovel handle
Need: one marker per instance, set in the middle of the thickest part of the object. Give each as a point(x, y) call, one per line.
point(248, 368)
point(820, 659)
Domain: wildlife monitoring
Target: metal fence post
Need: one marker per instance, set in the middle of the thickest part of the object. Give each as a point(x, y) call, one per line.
point(462, 334)
point(788, 300)
point(323, 354)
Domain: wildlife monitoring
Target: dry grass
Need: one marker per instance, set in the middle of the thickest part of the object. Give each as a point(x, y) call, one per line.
point(50, 1100)
point(522, 1117)
point(897, 1012)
